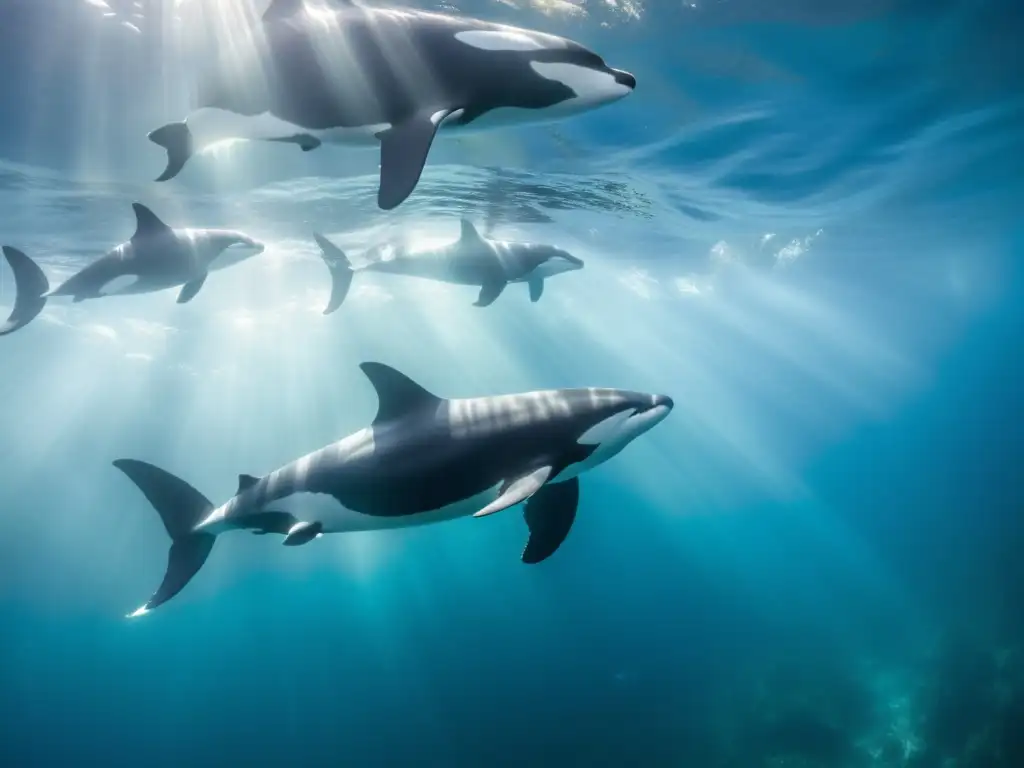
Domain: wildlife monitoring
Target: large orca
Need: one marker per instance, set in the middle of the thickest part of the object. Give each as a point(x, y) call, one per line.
point(154, 259)
point(424, 459)
point(470, 260)
point(357, 75)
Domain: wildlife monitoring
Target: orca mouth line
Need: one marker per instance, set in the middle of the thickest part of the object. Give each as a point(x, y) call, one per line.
point(660, 401)
point(624, 78)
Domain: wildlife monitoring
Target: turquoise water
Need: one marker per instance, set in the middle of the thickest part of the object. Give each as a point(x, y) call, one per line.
point(804, 226)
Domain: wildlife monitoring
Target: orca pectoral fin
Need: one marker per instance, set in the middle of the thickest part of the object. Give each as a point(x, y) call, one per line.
point(517, 491)
point(269, 521)
point(176, 138)
point(403, 153)
point(305, 141)
point(303, 533)
point(189, 290)
point(549, 515)
point(489, 292)
point(536, 289)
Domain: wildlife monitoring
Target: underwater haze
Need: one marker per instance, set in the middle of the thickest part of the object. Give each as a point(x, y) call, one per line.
point(804, 226)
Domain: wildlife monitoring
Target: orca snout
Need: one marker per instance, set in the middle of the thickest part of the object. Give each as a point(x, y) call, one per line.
point(248, 248)
point(624, 78)
point(662, 401)
point(646, 411)
point(661, 407)
point(256, 246)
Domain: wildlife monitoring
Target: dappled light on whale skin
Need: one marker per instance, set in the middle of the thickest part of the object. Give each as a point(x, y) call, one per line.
point(227, 56)
point(782, 277)
point(240, 351)
point(792, 331)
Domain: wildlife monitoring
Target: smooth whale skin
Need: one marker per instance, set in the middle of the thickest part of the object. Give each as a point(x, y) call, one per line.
point(355, 75)
point(424, 459)
point(470, 260)
point(154, 259)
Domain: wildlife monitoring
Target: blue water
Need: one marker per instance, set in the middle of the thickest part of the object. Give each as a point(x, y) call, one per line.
point(805, 225)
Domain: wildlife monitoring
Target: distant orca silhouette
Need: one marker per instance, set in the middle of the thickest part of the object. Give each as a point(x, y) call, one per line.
point(470, 260)
point(424, 459)
point(356, 75)
point(154, 259)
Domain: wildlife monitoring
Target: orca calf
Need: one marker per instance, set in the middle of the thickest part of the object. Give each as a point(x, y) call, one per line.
point(154, 259)
point(470, 260)
point(356, 75)
point(423, 459)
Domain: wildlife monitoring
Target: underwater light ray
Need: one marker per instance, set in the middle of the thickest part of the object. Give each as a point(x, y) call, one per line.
point(816, 337)
point(881, 376)
point(711, 378)
point(858, 340)
point(337, 61)
point(92, 123)
point(263, 380)
point(826, 345)
point(235, 51)
point(781, 341)
point(405, 64)
point(859, 560)
point(82, 428)
point(725, 415)
point(42, 69)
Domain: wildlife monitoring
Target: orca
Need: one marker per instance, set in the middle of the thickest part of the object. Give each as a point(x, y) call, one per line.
point(154, 259)
point(391, 77)
point(470, 260)
point(423, 459)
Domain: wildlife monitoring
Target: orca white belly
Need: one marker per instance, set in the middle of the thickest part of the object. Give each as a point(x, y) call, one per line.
point(499, 117)
point(211, 125)
point(121, 285)
point(335, 518)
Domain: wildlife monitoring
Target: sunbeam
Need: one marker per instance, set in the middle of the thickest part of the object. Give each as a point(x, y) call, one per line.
point(794, 248)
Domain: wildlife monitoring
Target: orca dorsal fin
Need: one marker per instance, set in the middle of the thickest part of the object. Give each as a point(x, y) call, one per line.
point(282, 9)
point(245, 482)
point(469, 232)
point(397, 394)
point(147, 223)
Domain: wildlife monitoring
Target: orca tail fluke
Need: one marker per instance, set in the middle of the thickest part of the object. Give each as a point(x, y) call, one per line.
point(180, 507)
point(176, 138)
point(30, 285)
point(341, 271)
